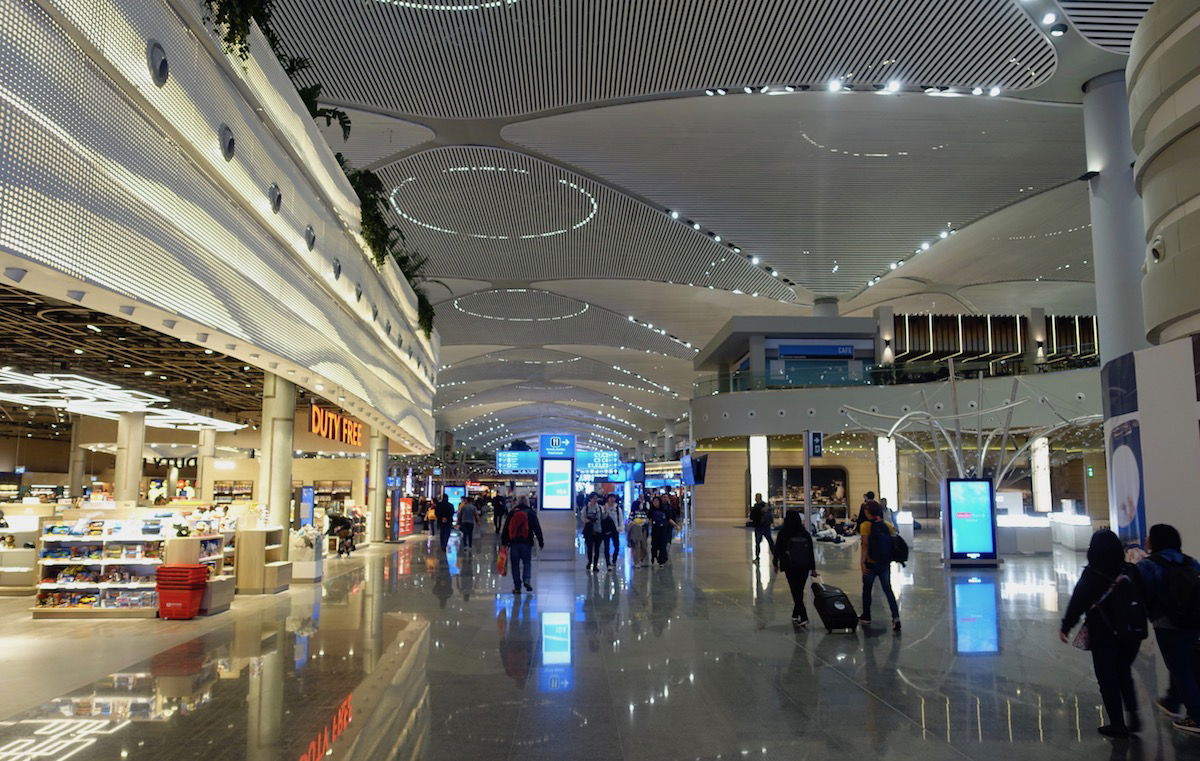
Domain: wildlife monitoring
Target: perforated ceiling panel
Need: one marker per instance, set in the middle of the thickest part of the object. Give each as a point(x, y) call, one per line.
point(482, 210)
point(563, 367)
point(479, 60)
point(828, 187)
point(373, 137)
point(1107, 23)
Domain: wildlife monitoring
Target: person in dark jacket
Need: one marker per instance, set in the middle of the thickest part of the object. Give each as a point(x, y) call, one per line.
point(518, 535)
point(1112, 657)
point(796, 560)
point(1178, 646)
point(762, 515)
point(444, 513)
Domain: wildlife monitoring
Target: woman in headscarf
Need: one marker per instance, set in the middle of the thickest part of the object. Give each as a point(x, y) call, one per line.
point(1116, 624)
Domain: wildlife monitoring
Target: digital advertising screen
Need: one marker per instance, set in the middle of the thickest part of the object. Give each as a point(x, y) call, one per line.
point(558, 485)
point(455, 493)
point(635, 471)
point(685, 469)
point(517, 463)
point(976, 624)
point(969, 509)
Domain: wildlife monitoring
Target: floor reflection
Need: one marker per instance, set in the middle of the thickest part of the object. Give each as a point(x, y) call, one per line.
point(406, 653)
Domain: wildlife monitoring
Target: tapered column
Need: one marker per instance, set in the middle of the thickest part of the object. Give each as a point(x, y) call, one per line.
point(206, 453)
point(377, 488)
point(131, 446)
point(275, 457)
point(77, 463)
point(1118, 242)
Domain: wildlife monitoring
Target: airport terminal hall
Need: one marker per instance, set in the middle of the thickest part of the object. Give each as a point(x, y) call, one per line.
point(613, 380)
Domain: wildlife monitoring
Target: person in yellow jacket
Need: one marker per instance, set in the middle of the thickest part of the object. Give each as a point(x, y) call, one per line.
point(875, 560)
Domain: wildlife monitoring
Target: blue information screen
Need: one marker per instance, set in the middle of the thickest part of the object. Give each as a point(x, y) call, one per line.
point(523, 463)
point(557, 445)
point(601, 464)
point(456, 494)
point(971, 513)
point(976, 626)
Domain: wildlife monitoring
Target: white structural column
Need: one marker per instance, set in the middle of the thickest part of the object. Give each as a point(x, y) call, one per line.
point(77, 463)
point(1118, 247)
point(759, 463)
point(1039, 466)
point(131, 446)
point(669, 439)
point(275, 457)
point(377, 488)
point(889, 482)
point(758, 362)
point(206, 452)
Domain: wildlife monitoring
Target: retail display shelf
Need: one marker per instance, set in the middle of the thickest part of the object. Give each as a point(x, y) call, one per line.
point(96, 585)
point(101, 561)
point(16, 568)
point(58, 539)
point(270, 547)
point(75, 611)
point(218, 556)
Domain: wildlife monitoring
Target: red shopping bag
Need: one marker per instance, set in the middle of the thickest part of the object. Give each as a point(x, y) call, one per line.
point(502, 561)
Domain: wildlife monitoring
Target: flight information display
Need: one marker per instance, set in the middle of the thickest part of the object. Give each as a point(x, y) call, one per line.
point(517, 463)
point(600, 463)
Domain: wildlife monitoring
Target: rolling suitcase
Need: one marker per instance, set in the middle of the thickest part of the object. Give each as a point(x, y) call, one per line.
point(834, 608)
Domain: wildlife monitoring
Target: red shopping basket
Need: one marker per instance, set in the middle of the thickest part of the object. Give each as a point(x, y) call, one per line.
point(180, 590)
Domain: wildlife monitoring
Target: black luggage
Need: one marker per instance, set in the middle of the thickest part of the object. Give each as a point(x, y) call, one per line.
point(834, 608)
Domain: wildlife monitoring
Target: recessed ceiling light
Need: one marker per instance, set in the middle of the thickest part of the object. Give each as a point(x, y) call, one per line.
point(994, 91)
point(1049, 18)
point(835, 85)
point(893, 86)
point(747, 90)
point(709, 92)
point(893, 265)
point(977, 91)
point(79, 351)
point(754, 260)
point(721, 91)
point(695, 225)
point(717, 238)
point(774, 273)
point(674, 214)
point(943, 234)
point(925, 246)
point(1058, 30)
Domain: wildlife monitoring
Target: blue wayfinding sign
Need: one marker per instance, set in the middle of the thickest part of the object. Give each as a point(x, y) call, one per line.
point(557, 445)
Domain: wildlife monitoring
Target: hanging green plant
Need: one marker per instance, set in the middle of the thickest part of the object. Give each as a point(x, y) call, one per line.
point(233, 19)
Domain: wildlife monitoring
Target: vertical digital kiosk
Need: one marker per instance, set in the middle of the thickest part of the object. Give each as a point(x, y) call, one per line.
point(556, 472)
point(969, 523)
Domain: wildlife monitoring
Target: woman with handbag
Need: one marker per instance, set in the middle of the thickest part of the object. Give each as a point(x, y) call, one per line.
point(1113, 629)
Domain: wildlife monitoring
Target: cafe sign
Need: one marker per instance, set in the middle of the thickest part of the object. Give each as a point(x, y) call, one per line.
point(335, 426)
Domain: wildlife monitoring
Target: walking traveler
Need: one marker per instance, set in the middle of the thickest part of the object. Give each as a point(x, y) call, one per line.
point(590, 515)
point(499, 510)
point(468, 516)
point(521, 528)
point(762, 515)
point(1171, 584)
point(610, 530)
point(868, 499)
point(876, 562)
point(661, 523)
point(793, 554)
point(1115, 625)
point(637, 540)
point(444, 514)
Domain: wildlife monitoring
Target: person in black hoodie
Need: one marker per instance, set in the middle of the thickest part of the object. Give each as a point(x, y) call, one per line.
point(445, 520)
point(793, 554)
point(1113, 651)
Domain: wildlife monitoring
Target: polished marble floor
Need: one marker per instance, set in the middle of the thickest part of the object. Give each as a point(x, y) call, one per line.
point(401, 654)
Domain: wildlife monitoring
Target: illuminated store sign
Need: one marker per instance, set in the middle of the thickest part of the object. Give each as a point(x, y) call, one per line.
point(335, 426)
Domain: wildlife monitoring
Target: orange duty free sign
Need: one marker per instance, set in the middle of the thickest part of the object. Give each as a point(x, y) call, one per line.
point(335, 426)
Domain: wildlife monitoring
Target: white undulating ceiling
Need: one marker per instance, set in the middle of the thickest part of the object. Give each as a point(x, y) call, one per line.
point(595, 216)
point(810, 182)
point(487, 60)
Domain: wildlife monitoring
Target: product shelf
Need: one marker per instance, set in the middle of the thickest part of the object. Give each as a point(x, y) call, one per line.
point(96, 585)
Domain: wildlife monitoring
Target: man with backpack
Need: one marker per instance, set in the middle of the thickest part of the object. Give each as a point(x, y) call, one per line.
point(762, 516)
point(877, 554)
point(1171, 586)
point(590, 515)
point(521, 527)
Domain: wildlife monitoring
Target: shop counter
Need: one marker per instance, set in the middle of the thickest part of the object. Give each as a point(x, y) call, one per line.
point(1023, 534)
point(1071, 531)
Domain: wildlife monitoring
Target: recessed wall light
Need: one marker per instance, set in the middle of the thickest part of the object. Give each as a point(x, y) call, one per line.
point(893, 86)
point(835, 85)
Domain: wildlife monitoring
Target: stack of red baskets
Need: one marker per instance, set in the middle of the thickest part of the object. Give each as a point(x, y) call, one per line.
point(180, 590)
